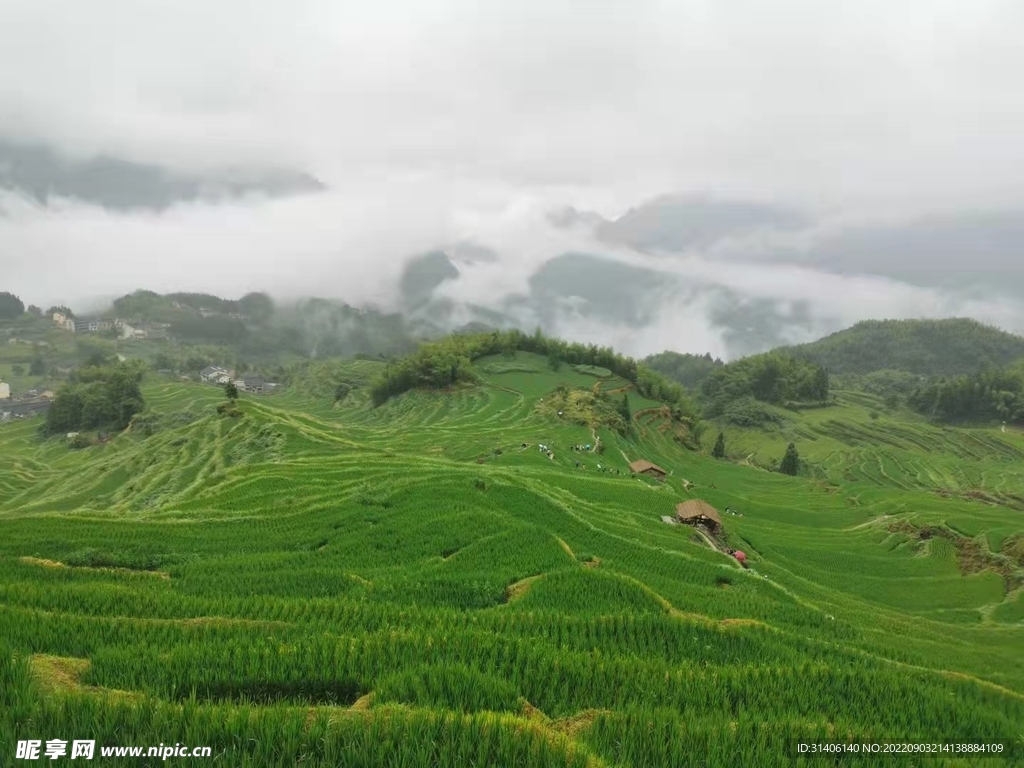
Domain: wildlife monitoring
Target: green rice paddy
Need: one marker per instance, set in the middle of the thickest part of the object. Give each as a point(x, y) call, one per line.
point(323, 584)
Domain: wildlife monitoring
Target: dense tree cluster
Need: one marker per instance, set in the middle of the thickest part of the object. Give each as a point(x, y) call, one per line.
point(894, 386)
point(203, 301)
point(993, 394)
point(96, 396)
point(216, 329)
point(139, 304)
point(152, 306)
point(11, 307)
point(925, 347)
point(448, 361)
point(734, 391)
point(256, 306)
point(688, 370)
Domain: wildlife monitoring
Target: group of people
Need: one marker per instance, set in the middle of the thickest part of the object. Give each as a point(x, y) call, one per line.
point(551, 455)
point(731, 511)
point(609, 470)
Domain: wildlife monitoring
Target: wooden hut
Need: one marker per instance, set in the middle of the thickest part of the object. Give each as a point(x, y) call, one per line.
point(699, 512)
point(644, 467)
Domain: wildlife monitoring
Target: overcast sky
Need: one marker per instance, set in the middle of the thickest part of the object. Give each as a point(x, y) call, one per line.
point(435, 120)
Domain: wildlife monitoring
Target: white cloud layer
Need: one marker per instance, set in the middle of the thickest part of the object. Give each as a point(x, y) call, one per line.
point(453, 120)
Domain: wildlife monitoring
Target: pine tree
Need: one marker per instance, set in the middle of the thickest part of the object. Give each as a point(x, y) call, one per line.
point(624, 409)
point(791, 461)
point(719, 450)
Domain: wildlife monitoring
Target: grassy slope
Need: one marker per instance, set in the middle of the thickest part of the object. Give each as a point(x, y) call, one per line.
point(401, 528)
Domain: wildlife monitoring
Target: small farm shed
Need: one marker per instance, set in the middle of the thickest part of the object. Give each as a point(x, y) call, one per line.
point(699, 512)
point(644, 467)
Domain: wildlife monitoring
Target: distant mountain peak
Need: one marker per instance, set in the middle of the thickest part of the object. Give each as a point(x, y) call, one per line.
point(677, 222)
point(422, 275)
point(42, 172)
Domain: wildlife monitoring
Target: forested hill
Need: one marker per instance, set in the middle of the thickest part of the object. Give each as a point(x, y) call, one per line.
point(686, 369)
point(924, 347)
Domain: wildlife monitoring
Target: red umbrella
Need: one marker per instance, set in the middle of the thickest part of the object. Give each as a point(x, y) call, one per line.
point(739, 555)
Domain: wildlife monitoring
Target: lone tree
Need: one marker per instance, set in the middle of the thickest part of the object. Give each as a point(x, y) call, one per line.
point(231, 390)
point(719, 450)
point(791, 461)
point(624, 409)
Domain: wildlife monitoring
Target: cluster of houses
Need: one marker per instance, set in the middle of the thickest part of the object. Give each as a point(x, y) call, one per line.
point(33, 403)
point(98, 324)
point(257, 385)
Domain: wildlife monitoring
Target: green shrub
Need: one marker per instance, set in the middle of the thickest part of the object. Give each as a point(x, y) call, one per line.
point(748, 412)
point(229, 409)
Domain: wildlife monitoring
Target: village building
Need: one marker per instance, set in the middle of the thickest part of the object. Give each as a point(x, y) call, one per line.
point(5, 390)
point(214, 374)
point(699, 512)
point(254, 384)
point(93, 325)
point(645, 467)
point(63, 321)
point(23, 408)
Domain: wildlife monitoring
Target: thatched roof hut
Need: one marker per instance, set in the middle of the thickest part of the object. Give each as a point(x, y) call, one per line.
point(698, 511)
point(645, 467)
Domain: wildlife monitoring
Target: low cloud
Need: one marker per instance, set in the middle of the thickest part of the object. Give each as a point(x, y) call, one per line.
point(451, 123)
point(351, 244)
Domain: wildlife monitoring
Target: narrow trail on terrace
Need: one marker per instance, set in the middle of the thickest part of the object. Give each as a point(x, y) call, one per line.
point(868, 523)
point(711, 542)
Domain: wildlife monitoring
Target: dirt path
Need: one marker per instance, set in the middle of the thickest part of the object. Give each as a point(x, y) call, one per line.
point(708, 539)
point(517, 589)
point(868, 524)
point(567, 548)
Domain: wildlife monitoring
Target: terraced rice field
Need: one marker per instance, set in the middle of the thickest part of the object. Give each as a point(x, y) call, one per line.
point(410, 586)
